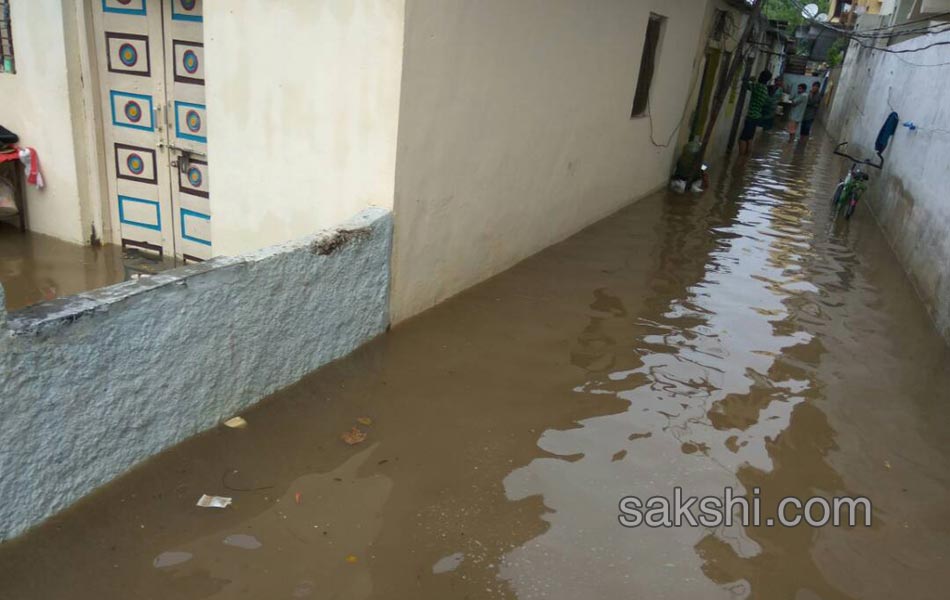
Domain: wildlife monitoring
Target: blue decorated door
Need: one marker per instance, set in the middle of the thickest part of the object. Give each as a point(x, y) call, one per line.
point(151, 65)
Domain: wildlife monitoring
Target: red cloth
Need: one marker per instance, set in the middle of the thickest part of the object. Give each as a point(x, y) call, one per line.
point(34, 176)
point(34, 169)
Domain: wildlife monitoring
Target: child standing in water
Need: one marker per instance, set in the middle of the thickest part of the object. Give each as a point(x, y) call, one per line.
point(797, 112)
point(758, 99)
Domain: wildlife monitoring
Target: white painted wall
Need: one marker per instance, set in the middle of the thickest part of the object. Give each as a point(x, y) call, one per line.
point(515, 129)
point(35, 104)
point(303, 102)
point(909, 197)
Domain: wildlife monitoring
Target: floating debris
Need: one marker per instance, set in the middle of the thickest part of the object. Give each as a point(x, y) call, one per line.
point(207, 501)
point(354, 436)
point(236, 423)
point(364, 421)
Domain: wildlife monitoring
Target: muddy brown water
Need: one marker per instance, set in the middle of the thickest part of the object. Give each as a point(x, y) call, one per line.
point(738, 338)
point(35, 267)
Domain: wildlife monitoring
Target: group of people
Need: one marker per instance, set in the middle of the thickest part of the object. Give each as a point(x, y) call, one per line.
point(764, 101)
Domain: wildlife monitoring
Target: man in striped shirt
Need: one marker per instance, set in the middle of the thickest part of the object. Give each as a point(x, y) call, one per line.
point(758, 102)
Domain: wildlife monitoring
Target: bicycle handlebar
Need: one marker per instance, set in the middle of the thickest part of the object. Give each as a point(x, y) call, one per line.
point(863, 161)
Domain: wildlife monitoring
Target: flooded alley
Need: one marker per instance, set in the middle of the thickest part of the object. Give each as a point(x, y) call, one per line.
point(735, 339)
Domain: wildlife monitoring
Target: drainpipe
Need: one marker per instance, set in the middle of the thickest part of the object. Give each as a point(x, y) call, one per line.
point(740, 105)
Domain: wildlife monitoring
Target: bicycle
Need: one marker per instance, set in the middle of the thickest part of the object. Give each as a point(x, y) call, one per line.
point(850, 189)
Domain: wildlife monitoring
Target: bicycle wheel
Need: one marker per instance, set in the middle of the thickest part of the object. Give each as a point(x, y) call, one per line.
point(837, 195)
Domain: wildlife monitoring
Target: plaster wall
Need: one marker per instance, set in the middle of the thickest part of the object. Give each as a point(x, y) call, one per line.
point(36, 106)
point(909, 196)
point(303, 102)
point(515, 129)
point(95, 383)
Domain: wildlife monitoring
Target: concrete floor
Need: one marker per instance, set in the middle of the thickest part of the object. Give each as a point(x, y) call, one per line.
point(35, 267)
point(735, 339)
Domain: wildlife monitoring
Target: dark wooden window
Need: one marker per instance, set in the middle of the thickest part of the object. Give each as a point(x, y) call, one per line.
point(641, 98)
point(7, 64)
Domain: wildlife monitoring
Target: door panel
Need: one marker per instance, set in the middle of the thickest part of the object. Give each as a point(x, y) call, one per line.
point(151, 59)
point(188, 127)
point(132, 74)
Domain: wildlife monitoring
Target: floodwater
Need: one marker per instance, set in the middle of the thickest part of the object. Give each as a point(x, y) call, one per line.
point(734, 339)
point(36, 268)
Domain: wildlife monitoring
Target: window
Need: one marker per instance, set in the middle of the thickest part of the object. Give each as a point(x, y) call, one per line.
point(642, 97)
point(7, 64)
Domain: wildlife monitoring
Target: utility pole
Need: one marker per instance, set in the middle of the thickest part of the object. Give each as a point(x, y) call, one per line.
point(737, 60)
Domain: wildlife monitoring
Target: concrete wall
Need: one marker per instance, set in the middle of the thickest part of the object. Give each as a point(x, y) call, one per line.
point(515, 129)
point(909, 197)
point(35, 104)
point(95, 383)
point(720, 136)
point(303, 102)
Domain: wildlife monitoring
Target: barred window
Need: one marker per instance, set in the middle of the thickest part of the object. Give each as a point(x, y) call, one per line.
point(7, 64)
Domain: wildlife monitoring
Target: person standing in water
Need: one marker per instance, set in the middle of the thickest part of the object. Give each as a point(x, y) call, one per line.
point(758, 101)
point(811, 109)
point(797, 111)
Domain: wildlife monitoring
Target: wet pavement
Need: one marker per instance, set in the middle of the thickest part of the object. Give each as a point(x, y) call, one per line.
point(738, 338)
point(36, 268)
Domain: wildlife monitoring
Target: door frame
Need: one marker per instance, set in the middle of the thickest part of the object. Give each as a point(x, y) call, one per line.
point(99, 219)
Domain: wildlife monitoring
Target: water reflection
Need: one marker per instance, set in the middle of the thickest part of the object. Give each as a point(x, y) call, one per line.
point(729, 374)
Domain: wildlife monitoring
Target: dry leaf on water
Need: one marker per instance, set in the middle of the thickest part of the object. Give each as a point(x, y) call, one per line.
point(353, 436)
point(351, 559)
point(364, 421)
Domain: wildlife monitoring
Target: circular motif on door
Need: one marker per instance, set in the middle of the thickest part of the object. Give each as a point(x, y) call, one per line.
point(128, 55)
point(124, 2)
point(193, 121)
point(135, 164)
point(133, 112)
point(190, 61)
point(189, 4)
point(194, 177)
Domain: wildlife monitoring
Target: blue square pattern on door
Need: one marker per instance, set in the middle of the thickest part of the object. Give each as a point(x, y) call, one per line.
point(124, 218)
point(192, 126)
point(186, 214)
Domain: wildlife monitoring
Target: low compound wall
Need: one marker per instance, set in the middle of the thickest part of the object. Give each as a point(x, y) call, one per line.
point(95, 383)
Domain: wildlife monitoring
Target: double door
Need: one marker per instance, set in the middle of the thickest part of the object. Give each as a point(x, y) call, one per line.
point(151, 65)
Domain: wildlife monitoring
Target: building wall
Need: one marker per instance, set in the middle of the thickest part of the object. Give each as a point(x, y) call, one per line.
point(909, 196)
point(718, 141)
point(95, 383)
point(35, 103)
point(303, 101)
point(515, 130)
